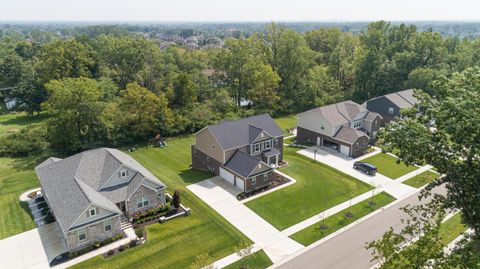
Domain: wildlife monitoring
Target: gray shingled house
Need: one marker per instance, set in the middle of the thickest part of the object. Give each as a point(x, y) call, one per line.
point(243, 152)
point(90, 192)
point(390, 105)
point(346, 127)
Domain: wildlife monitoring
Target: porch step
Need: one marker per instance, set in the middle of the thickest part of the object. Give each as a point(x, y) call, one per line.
point(125, 225)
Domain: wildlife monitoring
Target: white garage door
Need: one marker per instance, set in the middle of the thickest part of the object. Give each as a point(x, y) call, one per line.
point(345, 150)
point(227, 175)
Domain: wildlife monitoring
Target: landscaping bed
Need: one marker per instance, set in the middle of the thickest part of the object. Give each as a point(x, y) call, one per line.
point(151, 215)
point(278, 180)
point(341, 219)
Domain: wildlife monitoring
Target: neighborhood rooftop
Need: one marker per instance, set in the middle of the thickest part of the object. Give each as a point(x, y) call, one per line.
point(402, 99)
point(72, 184)
point(231, 134)
point(343, 112)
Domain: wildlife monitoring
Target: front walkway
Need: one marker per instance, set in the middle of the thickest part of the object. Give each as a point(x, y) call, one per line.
point(32, 249)
point(345, 165)
point(275, 244)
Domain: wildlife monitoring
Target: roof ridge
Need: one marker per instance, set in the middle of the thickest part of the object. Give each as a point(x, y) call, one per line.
point(401, 96)
point(338, 110)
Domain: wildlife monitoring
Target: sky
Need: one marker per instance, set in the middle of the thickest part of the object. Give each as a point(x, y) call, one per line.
point(239, 10)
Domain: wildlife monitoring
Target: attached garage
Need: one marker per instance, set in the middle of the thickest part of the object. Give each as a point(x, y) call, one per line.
point(345, 150)
point(230, 177)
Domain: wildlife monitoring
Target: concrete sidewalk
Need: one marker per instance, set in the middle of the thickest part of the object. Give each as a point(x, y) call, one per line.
point(275, 244)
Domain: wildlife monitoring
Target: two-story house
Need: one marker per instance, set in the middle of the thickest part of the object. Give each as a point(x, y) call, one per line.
point(89, 192)
point(243, 152)
point(389, 106)
point(346, 127)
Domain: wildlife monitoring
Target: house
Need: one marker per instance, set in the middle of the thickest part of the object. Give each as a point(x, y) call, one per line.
point(89, 193)
point(346, 127)
point(243, 152)
point(389, 106)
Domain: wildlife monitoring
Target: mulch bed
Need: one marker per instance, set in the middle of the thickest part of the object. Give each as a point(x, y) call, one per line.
point(157, 220)
point(278, 180)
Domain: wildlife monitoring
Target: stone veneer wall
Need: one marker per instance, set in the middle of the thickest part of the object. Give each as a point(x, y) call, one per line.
point(94, 232)
point(154, 199)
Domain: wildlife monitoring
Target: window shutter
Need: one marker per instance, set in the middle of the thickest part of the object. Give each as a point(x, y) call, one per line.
point(127, 172)
point(119, 174)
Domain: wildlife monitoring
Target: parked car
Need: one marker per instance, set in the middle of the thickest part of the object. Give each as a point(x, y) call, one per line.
point(367, 168)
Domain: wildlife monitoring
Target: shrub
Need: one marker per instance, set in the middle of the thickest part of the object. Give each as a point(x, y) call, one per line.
point(110, 252)
point(133, 243)
point(121, 248)
point(139, 231)
point(28, 141)
point(97, 244)
point(176, 200)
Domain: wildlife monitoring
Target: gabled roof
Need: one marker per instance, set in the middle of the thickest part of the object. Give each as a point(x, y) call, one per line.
point(339, 113)
point(349, 135)
point(243, 164)
point(71, 185)
point(402, 99)
point(237, 133)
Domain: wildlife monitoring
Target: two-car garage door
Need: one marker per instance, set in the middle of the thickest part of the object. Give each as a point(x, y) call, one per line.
point(231, 178)
point(345, 150)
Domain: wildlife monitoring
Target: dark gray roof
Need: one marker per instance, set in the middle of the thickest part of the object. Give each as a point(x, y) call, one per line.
point(271, 152)
point(242, 163)
point(402, 99)
point(349, 135)
point(71, 185)
point(233, 134)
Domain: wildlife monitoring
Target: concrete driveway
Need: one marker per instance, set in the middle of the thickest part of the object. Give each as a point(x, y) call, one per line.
point(344, 164)
point(32, 249)
point(275, 244)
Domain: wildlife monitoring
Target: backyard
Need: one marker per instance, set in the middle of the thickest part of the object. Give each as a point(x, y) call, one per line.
point(11, 122)
point(286, 122)
point(318, 188)
point(182, 239)
point(387, 165)
point(337, 221)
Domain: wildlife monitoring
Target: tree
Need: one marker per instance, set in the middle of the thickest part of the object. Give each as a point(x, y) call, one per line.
point(138, 114)
point(319, 88)
point(452, 146)
point(75, 106)
point(176, 200)
point(263, 91)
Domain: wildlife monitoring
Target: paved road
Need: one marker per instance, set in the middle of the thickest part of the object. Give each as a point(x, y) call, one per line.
point(347, 250)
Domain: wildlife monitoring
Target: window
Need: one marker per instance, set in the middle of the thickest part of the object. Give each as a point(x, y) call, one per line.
point(123, 173)
point(268, 144)
point(322, 126)
point(254, 180)
point(357, 124)
point(108, 225)
point(81, 234)
point(390, 110)
point(212, 146)
point(142, 201)
point(195, 152)
point(92, 212)
point(257, 147)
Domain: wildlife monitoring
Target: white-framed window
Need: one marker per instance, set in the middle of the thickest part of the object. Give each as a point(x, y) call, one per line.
point(123, 173)
point(257, 147)
point(390, 110)
point(254, 180)
point(268, 144)
point(81, 234)
point(322, 126)
point(357, 124)
point(108, 225)
point(92, 212)
point(142, 201)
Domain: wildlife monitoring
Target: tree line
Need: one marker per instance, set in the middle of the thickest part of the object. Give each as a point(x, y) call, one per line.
point(110, 89)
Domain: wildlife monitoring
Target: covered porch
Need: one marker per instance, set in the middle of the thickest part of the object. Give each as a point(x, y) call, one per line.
point(271, 157)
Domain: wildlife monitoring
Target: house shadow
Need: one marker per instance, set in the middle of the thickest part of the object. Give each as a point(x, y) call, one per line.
point(192, 176)
point(26, 208)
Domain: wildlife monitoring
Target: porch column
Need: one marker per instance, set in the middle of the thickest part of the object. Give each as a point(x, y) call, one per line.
point(276, 160)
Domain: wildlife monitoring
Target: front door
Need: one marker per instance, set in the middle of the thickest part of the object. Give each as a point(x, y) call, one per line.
point(319, 141)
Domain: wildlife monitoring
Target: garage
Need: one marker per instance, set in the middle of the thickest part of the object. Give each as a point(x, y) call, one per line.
point(229, 177)
point(345, 150)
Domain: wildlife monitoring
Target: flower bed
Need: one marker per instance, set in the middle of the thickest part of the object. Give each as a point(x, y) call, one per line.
point(277, 181)
point(95, 245)
point(150, 215)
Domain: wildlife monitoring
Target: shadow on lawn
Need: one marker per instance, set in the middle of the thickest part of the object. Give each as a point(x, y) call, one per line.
point(191, 176)
point(24, 206)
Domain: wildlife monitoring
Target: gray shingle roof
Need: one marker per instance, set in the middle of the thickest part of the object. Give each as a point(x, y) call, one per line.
point(402, 99)
point(242, 163)
point(349, 135)
point(72, 184)
point(233, 134)
point(339, 113)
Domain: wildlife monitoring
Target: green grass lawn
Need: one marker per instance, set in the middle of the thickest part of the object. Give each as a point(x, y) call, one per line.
point(318, 188)
point(337, 221)
point(258, 260)
point(452, 228)
point(422, 179)
point(16, 177)
point(286, 122)
point(18, 120)
point(176, 243)
point(387, 165)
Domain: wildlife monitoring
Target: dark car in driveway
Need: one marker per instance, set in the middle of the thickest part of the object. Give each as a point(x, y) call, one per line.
point(367, 168)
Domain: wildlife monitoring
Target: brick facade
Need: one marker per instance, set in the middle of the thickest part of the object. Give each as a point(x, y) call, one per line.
point(154, 199)
point(94, 232)
point(202, 161)
point(260, 182)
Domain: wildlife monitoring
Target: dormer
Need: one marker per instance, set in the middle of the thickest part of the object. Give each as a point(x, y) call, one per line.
point(122, 175)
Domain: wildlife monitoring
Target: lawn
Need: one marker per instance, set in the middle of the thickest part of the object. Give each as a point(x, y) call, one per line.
point(421, 179)
point(16, 177)
point(16, 121)
point(337, 221)
point(286, 122)
point(451, 229)
point(258, 260)
point(387, 165)
point(176, 243)
point(318, 188)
